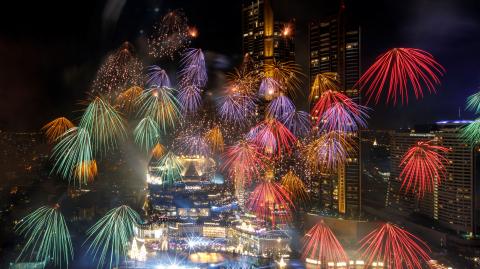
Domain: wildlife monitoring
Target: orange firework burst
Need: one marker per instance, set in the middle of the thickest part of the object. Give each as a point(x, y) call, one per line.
point(295, 186)
point(423, 167)
point(126, 100)
point(86, 170)
point(286, 74)
point(322, 83)
point(214, 137)
point(243, 80)
point(56, 128)
point(395, 247)
point(158, 151)
point(321, 246)
point(271, 202)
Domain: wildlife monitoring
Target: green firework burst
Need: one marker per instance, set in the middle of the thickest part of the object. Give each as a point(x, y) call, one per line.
point(104, 123)
point(111, 234)
point(147, 133)
point(471, 132)
point(74, 148)
point(169, 168)
point(48, 238)
point(473, 103)
point(161, 105)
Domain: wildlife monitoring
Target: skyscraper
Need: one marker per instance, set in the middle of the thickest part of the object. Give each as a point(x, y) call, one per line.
point(453, 204)
point(335, 47)
point(265, 38)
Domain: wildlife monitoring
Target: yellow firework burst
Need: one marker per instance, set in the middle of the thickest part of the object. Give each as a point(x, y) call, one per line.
point(86, 170)
point(293, 184)
point(214, 138)
point(158, 151)
point(324, 82)
point(56, 128)
point(126, 100)
point(287, 74)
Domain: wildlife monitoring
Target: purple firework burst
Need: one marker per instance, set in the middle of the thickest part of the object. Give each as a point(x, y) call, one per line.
point(340, 118)
point(190, 98)
point(268, 87)
point(156, 76)
point(280, 106)
point(298, 122)
point(236, 107)
point(193, 70)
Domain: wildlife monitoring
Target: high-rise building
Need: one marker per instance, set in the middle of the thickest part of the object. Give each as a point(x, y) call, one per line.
point(265, 38)
point(454, 202)
point(335, 47)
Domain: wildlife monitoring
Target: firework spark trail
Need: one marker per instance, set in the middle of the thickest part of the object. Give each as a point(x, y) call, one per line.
point(236, 107)
point(244, 158)
point(295, 186)
point(104, 124)
point(329, 151)
point(161, 105)
point(320, 244)
point(270, 202)
point(126, 100)
point(298, 122)
point(157, 77)
point(86, 170)
point(395, 247)
point(324, 82)
point(121, 70)
point(398, 70)
point(471, 132)
point(170, 35)
point(146, 134)
point(56, 128)
point(243, 80)
point(473, 103)
point(286, 74)
point(280, 106)
point(214, 137)
point(193, 70)
point(193, 144)
point(272, 137)
point(339, 118)
point(72, 149)
point(169, 168)
point(111, 235)
point(47, 236)
point(190, 98)
point(423, 167)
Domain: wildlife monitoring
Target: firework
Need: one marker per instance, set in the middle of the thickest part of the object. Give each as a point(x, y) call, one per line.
point(47, 236)
point(193, 70)
point(157, 77)
point(73, 148)
point(398, 70)
point(193, 144)
point(193, 31)
point(169, 168)
point(236, 107)
point(121, 70)
point(170, 35)
point(147, 134)
point(280, 106)
point(272, 137)
point(322, 83)
point(471, 132)
point(395, 247)
point(190, 98)
point(329, 151)
point(111, 234)
point(294, 185)
point(321, 245)
point(423, 166)
point(56, 128)
point(340, 118)
point(126, 100)
point(243, 80)
point(161, 105)
point(214, 137)
point(86, 170)
point(473, 103)
point(104, 124)
point(298, 122)
point(158, 151)
point(270, 202)
point(268, 87)
point(244, 158)
point(286, 74)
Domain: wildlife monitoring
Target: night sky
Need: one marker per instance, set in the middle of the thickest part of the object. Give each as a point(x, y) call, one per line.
point(49, 51)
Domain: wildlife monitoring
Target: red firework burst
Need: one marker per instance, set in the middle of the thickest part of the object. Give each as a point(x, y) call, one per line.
point(321, 245)
point(423, 166)
point(398, 70)
point(395, 247)
point(269, 201)
point(244, 158)
point(272, 137)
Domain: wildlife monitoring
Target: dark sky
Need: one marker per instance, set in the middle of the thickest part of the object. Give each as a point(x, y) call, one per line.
point(49, 51)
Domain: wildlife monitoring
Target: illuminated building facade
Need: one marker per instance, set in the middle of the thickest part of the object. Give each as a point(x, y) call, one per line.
point(453, 204)
point(334, 46)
